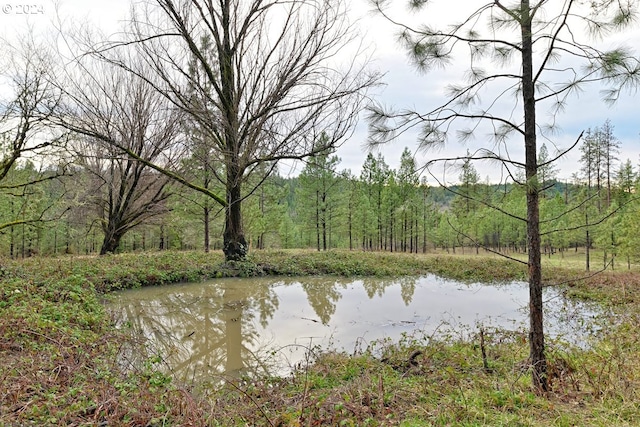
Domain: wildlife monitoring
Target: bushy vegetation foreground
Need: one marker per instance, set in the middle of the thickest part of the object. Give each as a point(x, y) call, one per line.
point(59, 351)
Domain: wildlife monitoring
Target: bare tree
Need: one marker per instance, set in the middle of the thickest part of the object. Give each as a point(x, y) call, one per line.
point(27, 103)
point(110, 108)
point(533, 55)
point(262, 79)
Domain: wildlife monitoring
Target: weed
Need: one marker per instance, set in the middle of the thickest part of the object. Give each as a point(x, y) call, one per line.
point(60, 353)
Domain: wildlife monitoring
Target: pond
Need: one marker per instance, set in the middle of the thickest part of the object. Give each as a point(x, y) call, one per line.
point(243, 326)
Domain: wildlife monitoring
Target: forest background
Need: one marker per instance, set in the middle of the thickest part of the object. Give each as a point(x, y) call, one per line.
point(64, 209)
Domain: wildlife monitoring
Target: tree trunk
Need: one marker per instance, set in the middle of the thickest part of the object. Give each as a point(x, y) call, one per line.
point(424, 229)
point(12, 245)
point(323, 219)
point(207, 239)
point(206, 211)
point(349, 224)
point(391, 235)
point(417, 230)
point(161, 244)
point(587, 252)
point(112, 237)
point(536, 333)
point(324, 234)
point(404, 232)
point(317, 221)
point(235, 245)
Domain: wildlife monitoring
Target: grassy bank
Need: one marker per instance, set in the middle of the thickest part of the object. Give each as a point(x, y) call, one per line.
point(58, 349)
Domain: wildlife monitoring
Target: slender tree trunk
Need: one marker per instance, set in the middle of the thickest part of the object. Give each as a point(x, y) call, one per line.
point(12, 244)
point(330, 229)
point(350, 227)
point(417, 230)
point(587, 251)
point(207, 208)
point(207, 239)
point(317, 221)
point(391, 236)
point(323, 218)
point(261, 235)
point(536, 334)
point(613, 245)
point(424, 228)
point(379, 240)
point(364, 232)
point(411, 234)
point(324, 230)
point(404, 232)
point(67, 236)
point(24, 247)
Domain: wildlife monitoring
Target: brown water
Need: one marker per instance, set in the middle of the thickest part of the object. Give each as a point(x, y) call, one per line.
point(244, 326)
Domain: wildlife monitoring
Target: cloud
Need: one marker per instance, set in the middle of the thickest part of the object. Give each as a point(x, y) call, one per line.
point(406, 88)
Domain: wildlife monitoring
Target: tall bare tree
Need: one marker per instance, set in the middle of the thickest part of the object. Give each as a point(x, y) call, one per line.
point(532, 54)
point(111, 108)
point(269, 78)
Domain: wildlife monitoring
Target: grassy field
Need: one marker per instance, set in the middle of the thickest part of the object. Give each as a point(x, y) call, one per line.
point(59, 351)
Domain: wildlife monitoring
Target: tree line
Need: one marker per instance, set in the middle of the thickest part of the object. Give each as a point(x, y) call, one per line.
point(65, 210)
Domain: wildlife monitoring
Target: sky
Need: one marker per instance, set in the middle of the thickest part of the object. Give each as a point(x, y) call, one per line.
point(403, 87)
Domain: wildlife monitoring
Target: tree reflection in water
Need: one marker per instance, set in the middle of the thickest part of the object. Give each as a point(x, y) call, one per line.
point(205, 331)
point(323, 296)
point(200, 330)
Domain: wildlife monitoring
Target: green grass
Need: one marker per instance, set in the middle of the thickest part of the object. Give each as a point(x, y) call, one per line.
point(59, 349)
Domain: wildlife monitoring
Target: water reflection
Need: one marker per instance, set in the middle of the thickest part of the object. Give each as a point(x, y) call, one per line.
point(200, 330)
point(243, 326)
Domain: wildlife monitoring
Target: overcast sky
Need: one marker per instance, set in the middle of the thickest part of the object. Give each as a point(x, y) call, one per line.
point(404, 87)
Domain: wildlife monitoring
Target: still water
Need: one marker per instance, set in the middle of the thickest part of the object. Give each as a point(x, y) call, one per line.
point(243, 326)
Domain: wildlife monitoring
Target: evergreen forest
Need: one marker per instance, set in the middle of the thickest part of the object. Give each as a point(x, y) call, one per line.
point(69, 209)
